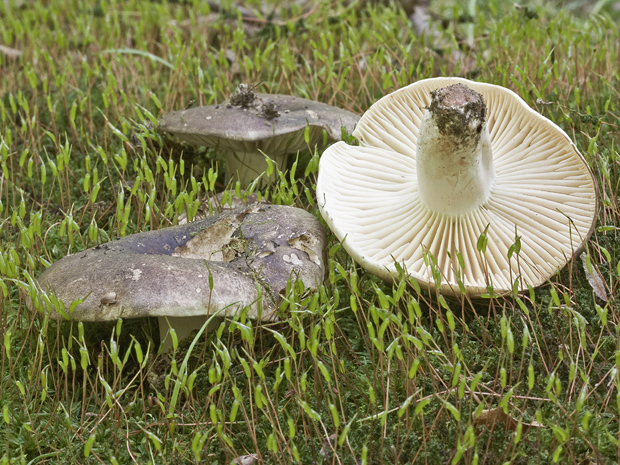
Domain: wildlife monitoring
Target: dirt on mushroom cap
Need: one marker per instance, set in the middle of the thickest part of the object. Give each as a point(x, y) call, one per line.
point(265, 116)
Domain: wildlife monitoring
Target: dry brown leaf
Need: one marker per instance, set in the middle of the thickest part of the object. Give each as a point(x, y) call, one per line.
point(490, 417)
point(199, 21)
point(595, 279)
point(10, 52)
point(328, 446)
point(245, 460)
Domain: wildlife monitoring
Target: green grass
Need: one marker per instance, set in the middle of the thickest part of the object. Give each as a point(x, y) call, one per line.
point(394, 374)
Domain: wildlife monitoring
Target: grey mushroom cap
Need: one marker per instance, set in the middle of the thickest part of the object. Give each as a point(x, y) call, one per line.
point(247, 128)
point(166, 272)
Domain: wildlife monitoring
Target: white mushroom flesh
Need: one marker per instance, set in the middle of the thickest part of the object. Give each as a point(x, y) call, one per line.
point(454, 160)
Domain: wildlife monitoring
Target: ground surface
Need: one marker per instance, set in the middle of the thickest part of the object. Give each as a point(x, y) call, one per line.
point(358, 371)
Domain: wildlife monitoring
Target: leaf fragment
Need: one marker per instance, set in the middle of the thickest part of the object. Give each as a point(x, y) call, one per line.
point(594, 278)
point(489, 418)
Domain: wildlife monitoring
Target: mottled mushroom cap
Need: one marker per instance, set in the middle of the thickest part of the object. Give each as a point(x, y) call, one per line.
point(269, 123)
point(543, 197)
point(166, 272)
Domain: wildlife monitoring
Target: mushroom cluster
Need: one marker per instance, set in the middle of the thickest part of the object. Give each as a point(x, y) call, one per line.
point(250, 126)
point(226, 262)
point(462, 185)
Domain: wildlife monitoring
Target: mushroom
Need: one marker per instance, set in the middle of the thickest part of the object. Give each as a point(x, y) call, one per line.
point(250, 126)
point(166, 273)
point(461, 184)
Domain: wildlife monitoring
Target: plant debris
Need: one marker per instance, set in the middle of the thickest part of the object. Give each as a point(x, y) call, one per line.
point(268, 111)
point(594, 278)
point(243, 96)
point(490, 417)
point(10, 52)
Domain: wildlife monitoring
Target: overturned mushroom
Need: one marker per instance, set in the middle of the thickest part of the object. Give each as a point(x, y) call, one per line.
point(463, 185)
point(167, 273)
point(251, 125)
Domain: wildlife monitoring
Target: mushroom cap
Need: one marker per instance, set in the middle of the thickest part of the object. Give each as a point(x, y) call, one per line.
point(247, 129)
point(166, 272)
point(544, 193)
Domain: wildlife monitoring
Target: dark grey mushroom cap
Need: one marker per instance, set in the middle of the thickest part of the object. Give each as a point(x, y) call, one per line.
point(166, 272)
point(251, 128)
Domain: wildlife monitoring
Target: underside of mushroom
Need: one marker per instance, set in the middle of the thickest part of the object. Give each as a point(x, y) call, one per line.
point(462, 185)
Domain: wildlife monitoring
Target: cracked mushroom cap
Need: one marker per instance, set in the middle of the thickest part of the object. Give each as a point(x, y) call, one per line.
point(388, 205)
point(270, 123)
point(165, 273)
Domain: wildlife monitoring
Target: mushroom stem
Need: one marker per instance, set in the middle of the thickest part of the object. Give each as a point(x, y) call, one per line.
point(454, 160)
point(183, 327)
point(245, 167)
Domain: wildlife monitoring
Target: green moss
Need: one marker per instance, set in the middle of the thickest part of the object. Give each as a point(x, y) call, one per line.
point(79, 110)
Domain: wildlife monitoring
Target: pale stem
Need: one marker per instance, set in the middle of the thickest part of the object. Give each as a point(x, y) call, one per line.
point(247, 166)
point(183, 327)
point(455, 173)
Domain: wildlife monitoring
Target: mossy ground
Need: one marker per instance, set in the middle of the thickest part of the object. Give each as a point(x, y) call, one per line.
point(358, 371)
